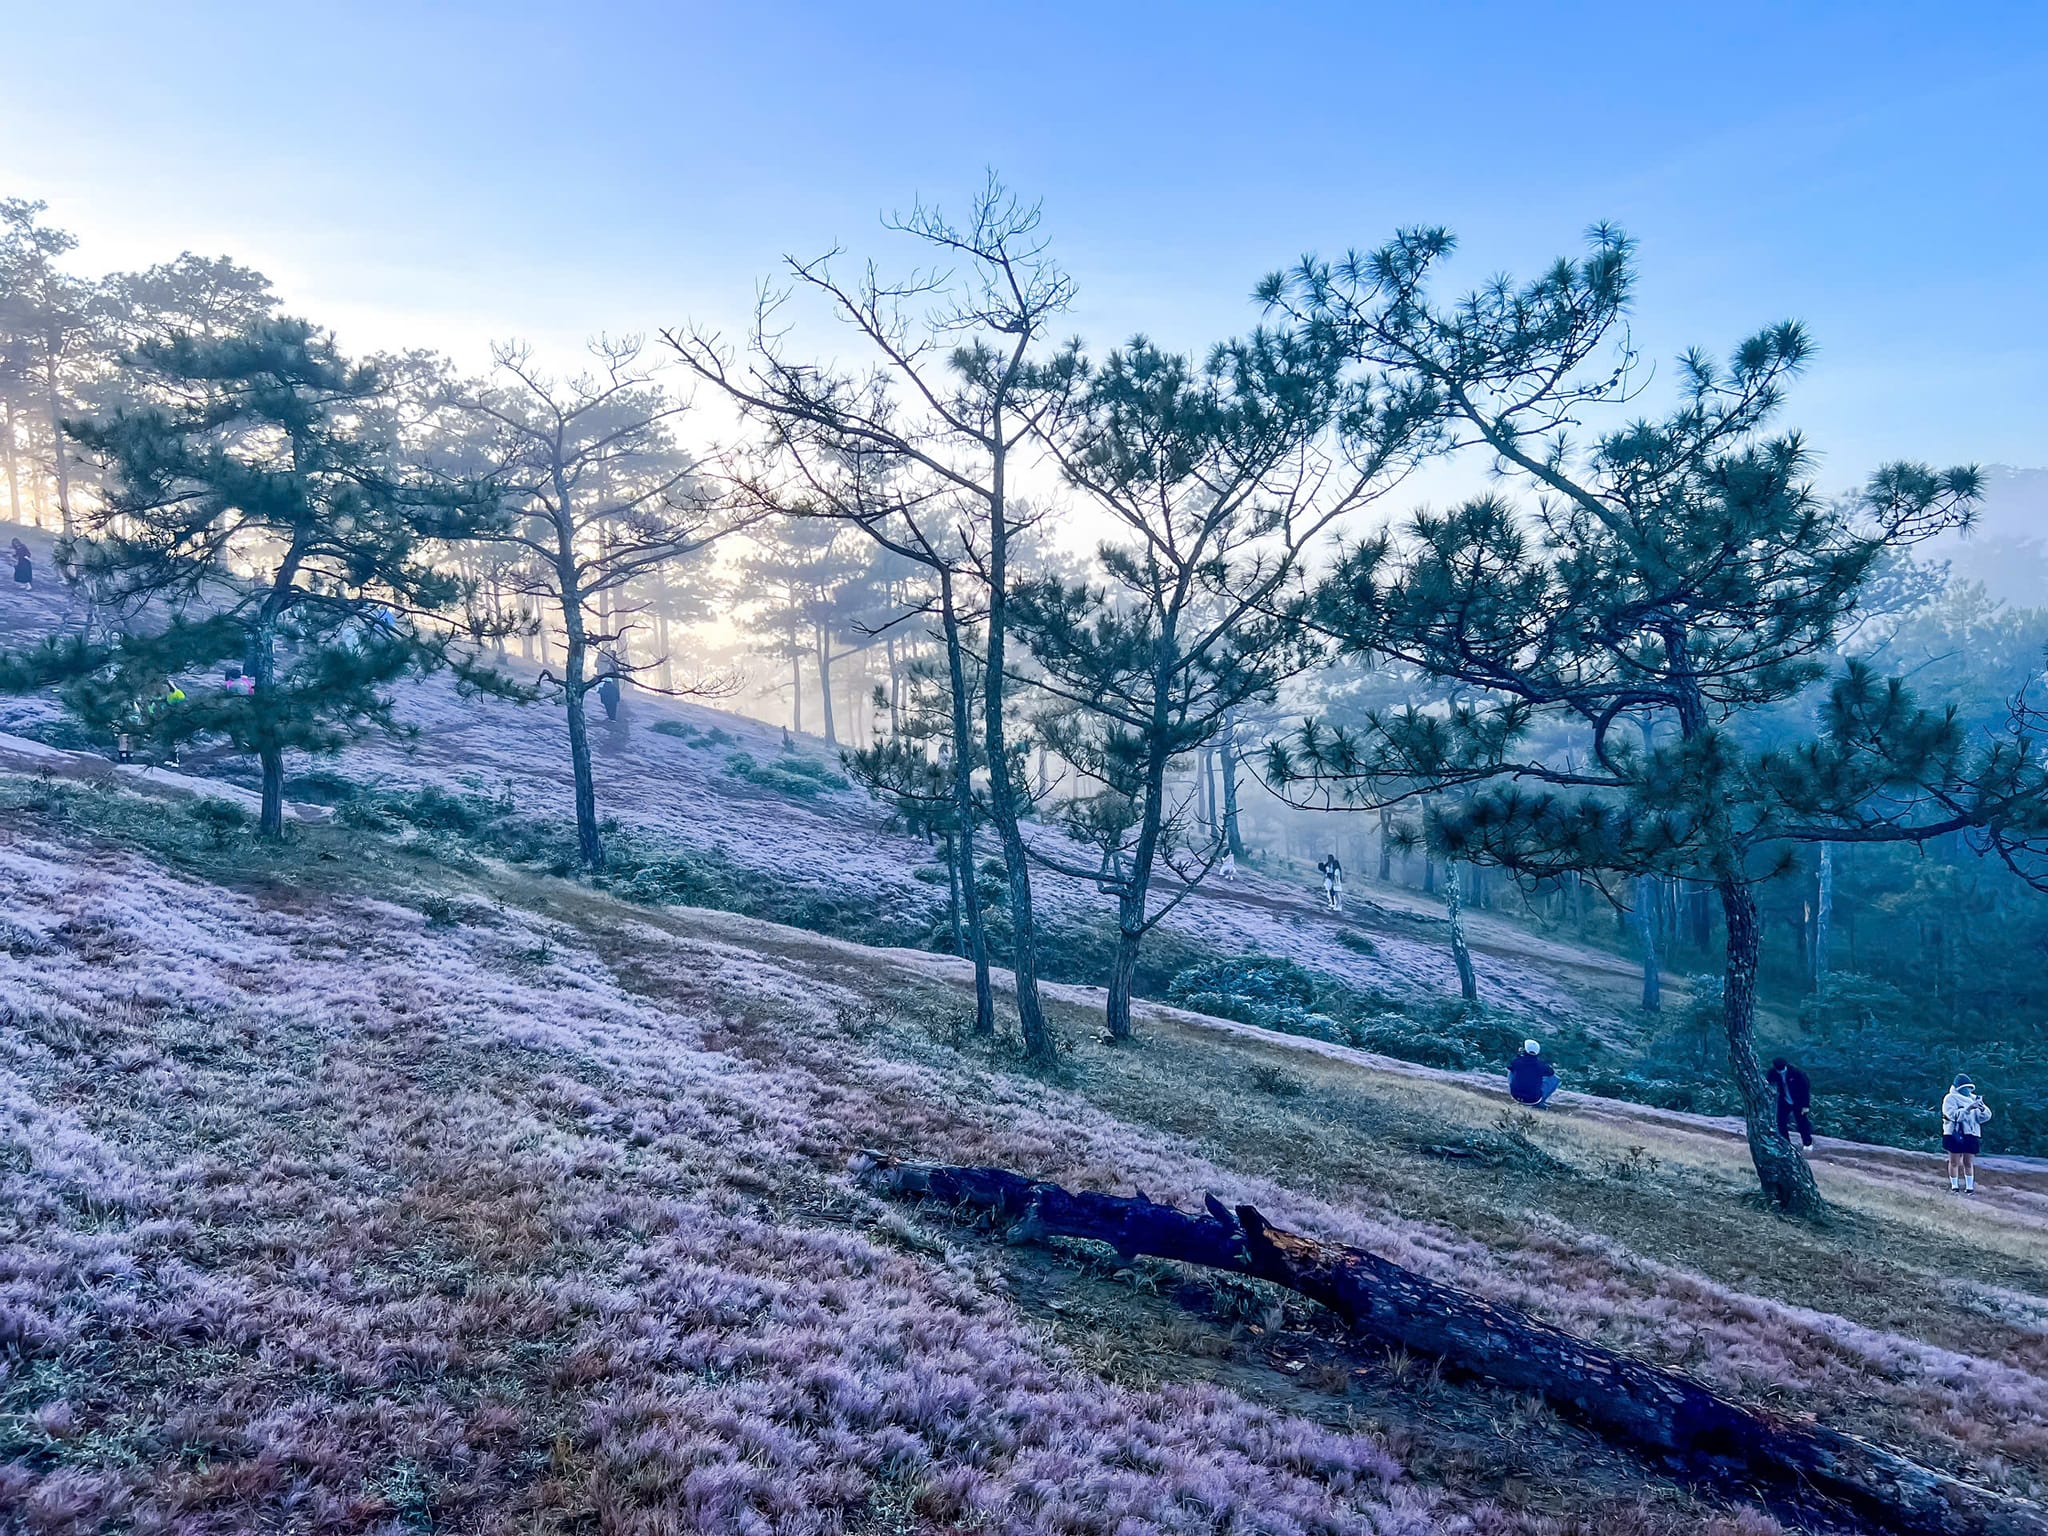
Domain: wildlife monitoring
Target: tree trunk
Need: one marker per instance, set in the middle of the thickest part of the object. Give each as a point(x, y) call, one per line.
point(1386, 846)
point(269, 751)
point(7, 448)
point(1039, 1045)
point(569, 591)
point(1468, 981)
point(1231, 838)
point(1123, 976)
point(1786, 1179)
point(57, 439)
point(1823, 916)
point(963, 808)
point(953, 894)
point(1669, 1415)
point(1653, 966)
point(825, 687)
point(589, 845)
point(895, 688)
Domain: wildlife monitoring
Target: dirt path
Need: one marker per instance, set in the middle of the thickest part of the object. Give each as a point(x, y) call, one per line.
point(2022, 1181)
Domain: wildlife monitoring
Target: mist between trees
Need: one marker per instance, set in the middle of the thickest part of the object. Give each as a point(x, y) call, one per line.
point(1139, 616)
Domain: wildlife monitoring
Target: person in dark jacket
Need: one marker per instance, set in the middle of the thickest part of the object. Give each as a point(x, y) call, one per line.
point(1795, 1098)
point(1531, 1079)
point(24, 564)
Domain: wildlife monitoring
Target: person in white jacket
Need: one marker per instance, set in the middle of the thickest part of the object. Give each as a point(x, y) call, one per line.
point(1963, 1113)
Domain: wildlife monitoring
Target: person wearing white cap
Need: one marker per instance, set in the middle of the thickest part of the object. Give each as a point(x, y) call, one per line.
point(1531, 1079)
point(1963, 1113)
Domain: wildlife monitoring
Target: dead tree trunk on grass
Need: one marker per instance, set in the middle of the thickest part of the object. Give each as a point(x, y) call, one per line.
point(1663, 1412)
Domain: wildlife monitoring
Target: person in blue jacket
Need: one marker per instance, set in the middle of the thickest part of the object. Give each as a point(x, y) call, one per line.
point(1531, 1079)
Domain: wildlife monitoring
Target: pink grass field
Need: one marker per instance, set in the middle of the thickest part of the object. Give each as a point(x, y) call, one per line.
point(315, 1217)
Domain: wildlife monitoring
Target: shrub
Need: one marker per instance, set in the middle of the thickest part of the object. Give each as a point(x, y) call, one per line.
point(1269, 1079)
point(322, 786)
point(1267, 979)
point(684, 879)
point(219, 819)
point(801, 777)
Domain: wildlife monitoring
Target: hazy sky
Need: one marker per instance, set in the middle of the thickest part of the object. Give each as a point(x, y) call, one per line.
point(446, 174)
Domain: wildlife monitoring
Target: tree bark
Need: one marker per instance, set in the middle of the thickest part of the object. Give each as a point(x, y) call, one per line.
point(1386, 820)
point(589, 845)
point(1785, 1177)
point(1461, 953)
point(575, 647)
point(8, 449)
point(1653, 965)
point(953, 893)
point(1123, 978)
point(1669, 1415)
point(1823, 916)
point(1228, 748)
point(50, 347)
point(963, 807)
point(269, 750)
point(825, 686)
point(1039, 1045)
point(1133, 899)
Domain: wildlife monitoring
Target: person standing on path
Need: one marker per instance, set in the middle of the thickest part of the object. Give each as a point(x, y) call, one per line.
point(24, 565)
point(1795, 1098)
point(1963, 1113)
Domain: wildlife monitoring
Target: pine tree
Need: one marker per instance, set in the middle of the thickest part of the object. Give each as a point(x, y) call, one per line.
point(252, 521)
point(1679, 569)
point(1213, 478)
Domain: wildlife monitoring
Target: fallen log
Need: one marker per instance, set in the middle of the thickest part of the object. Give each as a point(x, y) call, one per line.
point(1664, 1412)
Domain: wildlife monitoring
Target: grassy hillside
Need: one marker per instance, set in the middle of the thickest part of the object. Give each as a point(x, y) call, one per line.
point(712, 810)
point(348, 1187)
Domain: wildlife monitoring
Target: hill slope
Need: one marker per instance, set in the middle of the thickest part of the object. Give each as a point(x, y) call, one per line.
point(345, 1190)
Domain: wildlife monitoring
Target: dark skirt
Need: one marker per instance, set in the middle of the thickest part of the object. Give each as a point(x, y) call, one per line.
point(1968, 1144)
point(24, 572)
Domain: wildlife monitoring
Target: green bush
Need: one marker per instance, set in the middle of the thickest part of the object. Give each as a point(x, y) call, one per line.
point(1267, 979)
point(219, 819)
point(322, 786)
point(800, 777)
point(683, 879)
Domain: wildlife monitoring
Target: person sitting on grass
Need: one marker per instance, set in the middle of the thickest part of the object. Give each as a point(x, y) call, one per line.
point(1963, 1113)
point(1531, 1079)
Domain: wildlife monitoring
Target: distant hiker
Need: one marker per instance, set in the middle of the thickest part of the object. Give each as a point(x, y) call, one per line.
point(167, 749)
point(1795, 1098)
point(1229, 869)
point(1333, 883)
point(24, 564)
point(1963, 1113)
point(235, 680)
point(1531, 1079)
point(608, 694)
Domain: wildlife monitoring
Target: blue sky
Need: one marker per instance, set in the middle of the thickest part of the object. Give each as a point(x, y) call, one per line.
point(443, 175)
